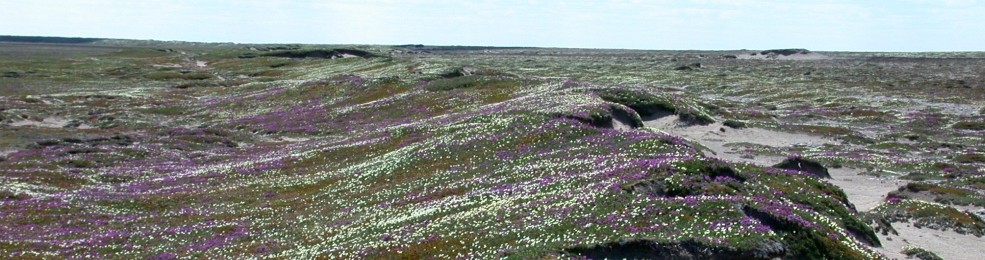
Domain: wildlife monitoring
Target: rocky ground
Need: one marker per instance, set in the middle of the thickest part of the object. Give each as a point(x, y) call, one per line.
point(187, 150)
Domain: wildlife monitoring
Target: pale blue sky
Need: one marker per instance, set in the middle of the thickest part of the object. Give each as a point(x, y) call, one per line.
point(901, 25)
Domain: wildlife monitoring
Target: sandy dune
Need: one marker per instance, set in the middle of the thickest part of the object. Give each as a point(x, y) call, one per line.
point(865, 192)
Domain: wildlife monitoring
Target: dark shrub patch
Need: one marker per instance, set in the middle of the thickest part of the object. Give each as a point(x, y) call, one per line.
point(692, 116)
point(692, 66)
point(920, 253)
point(9, 195)
point(321, 54)
point(804, 165)
point(111, 178)
point(734, 123)
point(785, 52)
point(969, 125)
point(939, 193)
point(626, 117)
point(446, 84)
point(931, 215)
point(646, 104)
point(803, 242)
point(172, 75)
point(197, 84)
point(454, 83)
point(47, 39)
point(970, 158)
point(690, 249)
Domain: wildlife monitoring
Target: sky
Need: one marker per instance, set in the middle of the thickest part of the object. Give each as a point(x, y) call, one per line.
point(824, 25)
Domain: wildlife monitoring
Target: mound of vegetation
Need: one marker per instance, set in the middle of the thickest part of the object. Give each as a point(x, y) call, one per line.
point(930, 215)
point(732, 123)
point(44, 39)
point(784, 52)
point(650, 106)
point(920, 253)
point(174, 75)
point(944, 194)
point(798, 163)
point(970, 125)
point(470, 81)
point(321, 54)
point(690, 249)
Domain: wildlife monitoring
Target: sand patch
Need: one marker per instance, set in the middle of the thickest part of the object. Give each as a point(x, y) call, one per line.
point(865, 192)
point(166, 65)
point(946, 244)
point(50, 122)
point(712, 137)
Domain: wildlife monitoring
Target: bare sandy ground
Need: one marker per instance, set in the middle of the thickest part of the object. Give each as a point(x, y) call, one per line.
point(712, 137)
point(865, 192)
point(50, 122)
point(946, 244)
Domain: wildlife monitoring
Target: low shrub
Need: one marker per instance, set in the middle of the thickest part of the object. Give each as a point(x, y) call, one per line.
point(931, 215)
point(969, 125)
point(920, 253)
point(173, 75)
point(645, 104)
point(734, 123)
point(970, 158)
point(446, 84)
